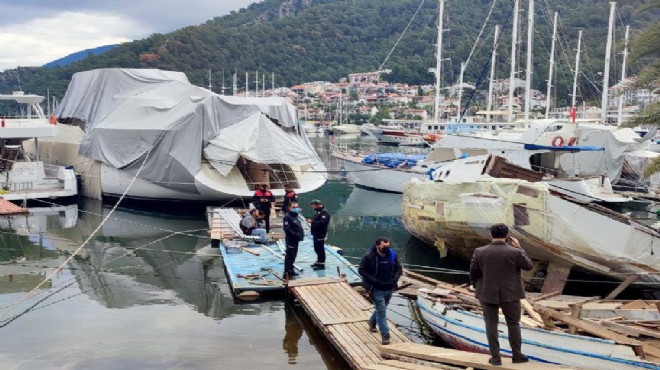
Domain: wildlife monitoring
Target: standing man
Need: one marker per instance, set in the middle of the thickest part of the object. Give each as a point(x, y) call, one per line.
point(294, 234)
point(263, 200)
point(495, 271)
point(319, 230)
point(289, 196)
point(380, 270)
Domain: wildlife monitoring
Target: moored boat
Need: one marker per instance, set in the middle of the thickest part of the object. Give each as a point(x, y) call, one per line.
point(458, 324)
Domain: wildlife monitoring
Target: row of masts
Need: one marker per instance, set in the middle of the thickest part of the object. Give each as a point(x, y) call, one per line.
point(258, 80)
point(528, 76)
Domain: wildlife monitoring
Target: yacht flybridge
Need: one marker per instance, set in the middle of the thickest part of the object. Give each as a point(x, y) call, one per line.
point(24, 177)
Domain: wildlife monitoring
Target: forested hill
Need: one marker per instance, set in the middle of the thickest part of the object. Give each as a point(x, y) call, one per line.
point(307, 40)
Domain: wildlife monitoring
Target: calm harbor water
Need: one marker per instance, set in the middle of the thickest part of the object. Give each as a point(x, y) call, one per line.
point(138, 297)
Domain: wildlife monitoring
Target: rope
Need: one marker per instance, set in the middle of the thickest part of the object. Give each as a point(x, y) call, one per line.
point(59, 268)
point(401, 36)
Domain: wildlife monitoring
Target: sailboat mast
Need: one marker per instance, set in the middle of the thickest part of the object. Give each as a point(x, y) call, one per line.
point(493, 59)
point(235, 84)
point(606, 72)
point(623, 76)
point(528, 72)
point(577, 70)
point(256, 84)
point(210, 84)
point(247, 83)
point(552, 65)
point(514, 41)
point(460, 92)
point(438, 63)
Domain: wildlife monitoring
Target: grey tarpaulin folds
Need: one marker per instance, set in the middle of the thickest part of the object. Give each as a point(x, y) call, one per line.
point(129, 112)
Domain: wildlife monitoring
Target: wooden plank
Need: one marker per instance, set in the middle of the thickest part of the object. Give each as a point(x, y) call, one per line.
point(576, 310)
point(345, 320)
point(312, 281)
point(409, 363)
point(452, 356)
point(587, 326)
point(355, 347)
point(544, 296)
point(633, 331)
point(530, 310)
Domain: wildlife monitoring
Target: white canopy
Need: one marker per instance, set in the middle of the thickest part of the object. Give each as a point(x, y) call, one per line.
point(258, 139)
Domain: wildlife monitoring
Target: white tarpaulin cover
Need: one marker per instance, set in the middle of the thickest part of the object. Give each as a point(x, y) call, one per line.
point(128, 113)
point(258, 139)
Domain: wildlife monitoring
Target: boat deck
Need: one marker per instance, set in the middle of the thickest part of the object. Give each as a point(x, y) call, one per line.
point(259, 267)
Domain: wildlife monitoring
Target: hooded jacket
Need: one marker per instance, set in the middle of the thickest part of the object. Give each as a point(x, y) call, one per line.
point(380, 272)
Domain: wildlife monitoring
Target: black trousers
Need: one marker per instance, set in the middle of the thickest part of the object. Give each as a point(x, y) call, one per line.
point(290, 257)
point(319, 248)
point(267, 219)
point(511, 311)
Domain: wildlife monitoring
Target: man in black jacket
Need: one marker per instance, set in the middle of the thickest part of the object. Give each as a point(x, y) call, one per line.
point(294, 233)
point(495, 271)
point(263, 200)
point(320, 223)
point(380, 270)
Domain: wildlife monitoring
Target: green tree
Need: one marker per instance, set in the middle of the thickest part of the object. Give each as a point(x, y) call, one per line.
point(645, 46)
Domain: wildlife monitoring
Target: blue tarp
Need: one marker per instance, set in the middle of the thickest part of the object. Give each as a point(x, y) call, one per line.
point(565, 148)
point(393, 160)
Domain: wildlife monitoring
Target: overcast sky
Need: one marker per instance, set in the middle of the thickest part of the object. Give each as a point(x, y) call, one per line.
point(35, 32)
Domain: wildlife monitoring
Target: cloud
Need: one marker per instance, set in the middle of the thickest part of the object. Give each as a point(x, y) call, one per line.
point(34, 32)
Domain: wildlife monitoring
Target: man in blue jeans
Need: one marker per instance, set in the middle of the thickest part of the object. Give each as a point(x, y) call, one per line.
point(380, 270)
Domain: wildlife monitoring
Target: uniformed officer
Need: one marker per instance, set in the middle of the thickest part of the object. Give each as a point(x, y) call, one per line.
point(294, 234)
point(320, 223)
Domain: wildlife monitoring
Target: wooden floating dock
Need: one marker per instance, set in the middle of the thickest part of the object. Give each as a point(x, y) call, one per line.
point(259, 267)
point(342, 315)
point(8, 208)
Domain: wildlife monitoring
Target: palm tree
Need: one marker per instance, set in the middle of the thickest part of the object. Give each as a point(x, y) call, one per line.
point(645, 45)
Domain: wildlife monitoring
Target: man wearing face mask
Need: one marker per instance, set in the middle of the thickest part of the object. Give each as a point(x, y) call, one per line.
point(380, 270)
point(294, 234)
point(319, 231)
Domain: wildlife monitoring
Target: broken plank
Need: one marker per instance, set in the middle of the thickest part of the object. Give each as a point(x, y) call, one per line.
point(587, 326)
point(622, 286)
point(630, 330)
point(530, 310)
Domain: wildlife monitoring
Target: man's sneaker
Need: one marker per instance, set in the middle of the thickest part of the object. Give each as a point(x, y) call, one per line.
point(372, 328)
point(386, 340)
point(318, 266)
point(495, 361)
point(520, 359)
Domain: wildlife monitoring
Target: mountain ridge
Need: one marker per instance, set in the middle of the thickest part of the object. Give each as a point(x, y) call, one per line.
point(306, 40)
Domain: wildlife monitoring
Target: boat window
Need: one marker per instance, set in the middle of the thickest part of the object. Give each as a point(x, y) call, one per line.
point(520, 215)
point(553, 128)
point(442, 127)
point(448, 172)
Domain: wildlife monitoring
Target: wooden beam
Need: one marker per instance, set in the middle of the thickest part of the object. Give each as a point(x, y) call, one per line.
point(530, 310)
point(576, 310)
point(622, 286)
point(587, 326)
point(633, 331)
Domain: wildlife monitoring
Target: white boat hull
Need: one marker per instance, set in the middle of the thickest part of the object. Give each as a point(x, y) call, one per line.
point(378, 177)
point(466, 331)
point(457, 218)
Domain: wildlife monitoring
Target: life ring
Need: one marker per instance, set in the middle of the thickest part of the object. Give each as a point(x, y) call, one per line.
point(558, 141)
point(53, 120)
point(572, 141)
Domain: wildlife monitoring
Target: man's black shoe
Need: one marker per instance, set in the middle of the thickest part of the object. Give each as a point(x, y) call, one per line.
point(495, 361)
point(520, 360)
point(318, 266)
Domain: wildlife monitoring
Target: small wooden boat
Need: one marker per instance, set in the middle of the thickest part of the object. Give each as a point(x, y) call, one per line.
point(593, 334)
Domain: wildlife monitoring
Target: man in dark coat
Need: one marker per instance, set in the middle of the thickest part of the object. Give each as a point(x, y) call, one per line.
point(380, 270)
point(294, 234)
point(263, 200)
point(289, 196)
point(319, 230)
point(495, 271)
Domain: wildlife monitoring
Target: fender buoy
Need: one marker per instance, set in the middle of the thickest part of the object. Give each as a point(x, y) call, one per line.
point(572, 141)
point(558, 141)
point(53, 120)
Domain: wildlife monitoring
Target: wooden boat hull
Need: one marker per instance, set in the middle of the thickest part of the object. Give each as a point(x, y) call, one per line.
point(466, 331)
